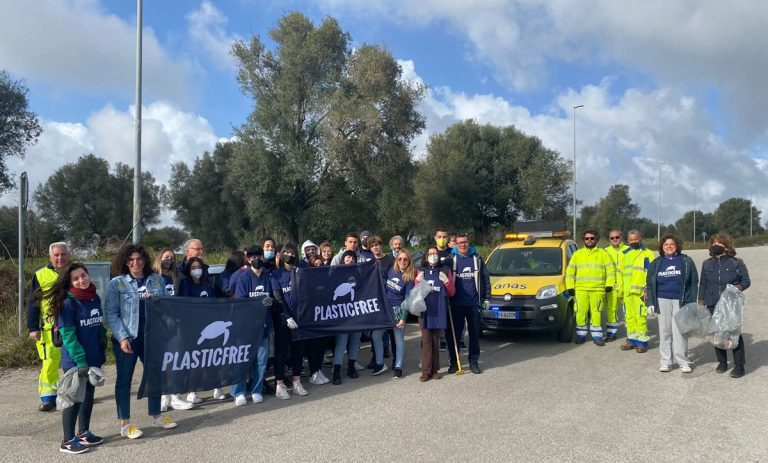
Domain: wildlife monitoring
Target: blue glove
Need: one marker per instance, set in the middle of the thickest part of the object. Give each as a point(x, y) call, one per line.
point(567, 294)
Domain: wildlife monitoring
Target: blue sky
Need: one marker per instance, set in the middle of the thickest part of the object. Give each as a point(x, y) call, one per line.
point(680, 83)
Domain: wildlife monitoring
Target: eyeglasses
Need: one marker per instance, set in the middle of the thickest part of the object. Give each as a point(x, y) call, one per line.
point(614, 237)
point(403, 259)
point(460, 243)
point(589, 238)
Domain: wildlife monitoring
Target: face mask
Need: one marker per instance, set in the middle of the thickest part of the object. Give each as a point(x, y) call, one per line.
point(290, 260)
point(257, 263)
point(196, 273)
point(717, 250)
point(269, 255)
point(634, 245)
point(166, 264)
point(441, 242)
point(433, 259)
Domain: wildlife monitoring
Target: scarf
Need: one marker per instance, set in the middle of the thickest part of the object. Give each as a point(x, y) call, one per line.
point(87, 294)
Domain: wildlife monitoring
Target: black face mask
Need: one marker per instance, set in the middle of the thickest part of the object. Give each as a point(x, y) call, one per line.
point(257, 264)
point(290, 260)
point(717, 250)
point(634, 245)
point(166, 264)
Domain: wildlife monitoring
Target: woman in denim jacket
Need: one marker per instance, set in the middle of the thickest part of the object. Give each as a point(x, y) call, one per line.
point(126, 301)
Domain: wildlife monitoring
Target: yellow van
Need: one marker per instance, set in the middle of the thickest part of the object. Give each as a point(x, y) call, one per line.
point(527, 284)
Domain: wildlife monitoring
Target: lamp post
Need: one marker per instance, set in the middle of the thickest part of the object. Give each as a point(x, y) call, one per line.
point(658, 215)
point(750, 215)
point(137, 131)
point(574, 168)
point(694, 215)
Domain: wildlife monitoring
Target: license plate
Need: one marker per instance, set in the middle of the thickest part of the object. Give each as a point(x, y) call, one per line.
point(510, 315)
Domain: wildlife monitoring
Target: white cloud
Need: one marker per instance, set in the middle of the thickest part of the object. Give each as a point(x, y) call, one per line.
point(620, 140)
point(169, 135)
point(207, 29)
point(75, 44)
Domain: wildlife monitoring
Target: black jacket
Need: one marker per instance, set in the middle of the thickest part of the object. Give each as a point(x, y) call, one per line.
point(716, 273)
point(690, 282)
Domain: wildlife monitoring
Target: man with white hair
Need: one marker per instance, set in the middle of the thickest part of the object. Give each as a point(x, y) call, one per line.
point(41, 328)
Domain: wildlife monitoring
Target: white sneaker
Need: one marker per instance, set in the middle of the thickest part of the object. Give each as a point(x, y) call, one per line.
point(131, 431)
point(163, 422)
point(218, 394)
point(240, 400)
point(177, 403)
point(298, 388)
point(165, 400)
point(194, 398)
point(257, 398)
point(281, 392)
point(664, 368)
point(358, 366)
point(323, 377)
point(315, 378)
point(685, 369)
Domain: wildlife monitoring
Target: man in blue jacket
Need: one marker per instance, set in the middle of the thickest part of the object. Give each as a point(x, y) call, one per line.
point(473, 290)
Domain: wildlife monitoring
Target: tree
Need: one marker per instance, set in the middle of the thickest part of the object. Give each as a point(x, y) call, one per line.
point(326, 146)
point(732, 216)
point(84, 199)
point(204, 199)
point(166, 237)
point(19, 126)
point(614, 210)
point(480, 178)
point(705, 223)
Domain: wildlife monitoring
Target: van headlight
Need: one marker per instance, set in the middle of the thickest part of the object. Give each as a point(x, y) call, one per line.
point(547, 292)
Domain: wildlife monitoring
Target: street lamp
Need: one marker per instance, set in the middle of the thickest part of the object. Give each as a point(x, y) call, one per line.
point(750, 215)
point(574, 168)
point(658, 215)
point(694, 215)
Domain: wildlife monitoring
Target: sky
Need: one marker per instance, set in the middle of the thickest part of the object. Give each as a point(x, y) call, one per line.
point(671, 91)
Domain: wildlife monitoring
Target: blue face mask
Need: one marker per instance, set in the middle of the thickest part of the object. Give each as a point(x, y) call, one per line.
point(269, 255)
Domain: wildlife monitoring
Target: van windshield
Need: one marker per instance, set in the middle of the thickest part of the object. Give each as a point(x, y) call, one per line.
point(526, 261)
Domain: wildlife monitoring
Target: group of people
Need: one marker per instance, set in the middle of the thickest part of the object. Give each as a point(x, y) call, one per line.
point(602, 279)
point(64, 300)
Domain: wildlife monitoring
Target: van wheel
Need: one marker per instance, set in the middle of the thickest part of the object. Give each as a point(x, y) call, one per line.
point(568, 330)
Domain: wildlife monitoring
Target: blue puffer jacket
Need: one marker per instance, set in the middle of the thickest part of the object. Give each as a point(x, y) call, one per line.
point(716, 273)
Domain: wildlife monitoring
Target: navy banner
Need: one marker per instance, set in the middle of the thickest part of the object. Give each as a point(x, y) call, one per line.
point(197, 344)
point(340, 299)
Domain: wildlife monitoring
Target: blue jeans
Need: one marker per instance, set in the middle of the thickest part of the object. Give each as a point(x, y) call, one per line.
point(341, 346)
point(399, 346)
point(125, 365)
point(377, 337)
point(259, 368)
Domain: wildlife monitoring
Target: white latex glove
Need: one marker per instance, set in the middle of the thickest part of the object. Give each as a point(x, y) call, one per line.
point(443, 278)
point(486, 305)
point(292, 323)
point(650, 312)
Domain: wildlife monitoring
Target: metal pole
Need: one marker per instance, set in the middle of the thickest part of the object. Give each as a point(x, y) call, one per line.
point(658, 214)
point(750, 215)
point(23, 200)
point(574, 168)
point(694, 215)
point(137, 129)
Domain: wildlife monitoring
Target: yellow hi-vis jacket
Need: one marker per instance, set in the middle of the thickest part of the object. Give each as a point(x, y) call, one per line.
point(616, 256)
point(633, 268)
point(590, 270)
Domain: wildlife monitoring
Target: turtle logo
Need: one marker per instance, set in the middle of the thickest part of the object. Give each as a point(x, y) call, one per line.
point(344, 289)
point(671, 268)
point(259, 288)
point(94, 312)
point(214, 330)
point(396, 280)
point(466, 270)
point(203, 293)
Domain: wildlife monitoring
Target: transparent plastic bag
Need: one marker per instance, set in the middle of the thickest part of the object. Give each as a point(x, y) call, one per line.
point(725, 326)
point(693, 319)
point(414, 302)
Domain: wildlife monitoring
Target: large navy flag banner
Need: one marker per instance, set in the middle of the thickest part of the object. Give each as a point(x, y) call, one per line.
point(197, 344)
point(340, 299)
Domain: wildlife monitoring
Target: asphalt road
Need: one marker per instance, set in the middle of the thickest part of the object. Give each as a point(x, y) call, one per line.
point(538, 400)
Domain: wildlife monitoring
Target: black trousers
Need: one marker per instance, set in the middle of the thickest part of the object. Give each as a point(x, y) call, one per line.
point(738, 354)
point(78, 412)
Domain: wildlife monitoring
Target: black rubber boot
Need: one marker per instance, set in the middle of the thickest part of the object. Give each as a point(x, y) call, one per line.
point(351, 370)
point(336, 374)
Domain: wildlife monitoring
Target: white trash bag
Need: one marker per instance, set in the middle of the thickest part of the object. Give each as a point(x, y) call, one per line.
point(725, 326)
point(693, 319)
point(414, 302)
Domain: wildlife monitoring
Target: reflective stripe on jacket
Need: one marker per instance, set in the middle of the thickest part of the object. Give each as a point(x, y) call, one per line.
point(590, 270)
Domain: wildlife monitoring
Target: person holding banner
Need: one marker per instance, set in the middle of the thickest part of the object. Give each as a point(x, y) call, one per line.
point(128, 295)
point(379, 345)
point(348, 257)
point(282, 280)
point(255, 282)
point(435, 319)
point(400, 280)
point(76, 309)
point(326, 252)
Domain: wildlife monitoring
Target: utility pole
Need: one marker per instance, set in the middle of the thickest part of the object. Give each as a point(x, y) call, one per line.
point(137, 130)
point(574, 168)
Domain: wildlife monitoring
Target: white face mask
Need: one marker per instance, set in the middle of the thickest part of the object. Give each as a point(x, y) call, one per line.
point(433, 259)
point(196, 273)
